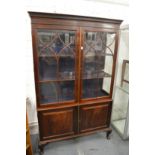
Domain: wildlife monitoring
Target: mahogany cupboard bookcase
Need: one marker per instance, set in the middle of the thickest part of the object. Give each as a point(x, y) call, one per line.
point(74, 66)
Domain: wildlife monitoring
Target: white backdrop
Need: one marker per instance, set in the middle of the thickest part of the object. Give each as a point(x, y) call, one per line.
point(79, 7)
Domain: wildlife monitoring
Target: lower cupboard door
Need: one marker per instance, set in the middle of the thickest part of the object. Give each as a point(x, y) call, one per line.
point(94, 117)
point(57, 123)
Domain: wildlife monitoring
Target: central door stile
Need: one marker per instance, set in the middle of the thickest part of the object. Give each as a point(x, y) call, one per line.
point(79, 75)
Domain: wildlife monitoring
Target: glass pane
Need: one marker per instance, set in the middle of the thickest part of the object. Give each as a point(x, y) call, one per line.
point(56, 54)
point(48, 92)
point(67, 66)
point(67, 57)
point(97, 63)
point(47, 68)
point(89, 88)
point(56, 92)
point(67, 91)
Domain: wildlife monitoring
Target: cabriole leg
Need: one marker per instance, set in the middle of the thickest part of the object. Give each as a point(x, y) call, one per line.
point(108, 134)
point(41, 149)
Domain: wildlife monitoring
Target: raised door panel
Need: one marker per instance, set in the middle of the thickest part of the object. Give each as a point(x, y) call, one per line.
point(94, 117)
point(57, 123)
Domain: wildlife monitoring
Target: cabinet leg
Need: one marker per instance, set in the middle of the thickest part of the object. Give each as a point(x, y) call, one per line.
point(41, 149)
point(108, 134)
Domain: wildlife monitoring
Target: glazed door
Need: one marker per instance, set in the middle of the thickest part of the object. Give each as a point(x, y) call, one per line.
point(97, 60)
point(56, 54)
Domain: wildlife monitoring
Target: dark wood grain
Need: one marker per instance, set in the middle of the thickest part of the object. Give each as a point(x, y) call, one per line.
point(73, 17)
point(57, 123)
point(44, 142)
point(78, 117)
point(93, 117)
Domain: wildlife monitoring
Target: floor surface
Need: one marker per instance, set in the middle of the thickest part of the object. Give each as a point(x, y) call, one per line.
point(95, 144)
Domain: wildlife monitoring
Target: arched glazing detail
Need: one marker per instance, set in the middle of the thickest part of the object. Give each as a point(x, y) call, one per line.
point(56, 54)
point(98, 56)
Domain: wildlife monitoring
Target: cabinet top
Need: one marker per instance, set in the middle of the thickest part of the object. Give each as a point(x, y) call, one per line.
point(73, 17)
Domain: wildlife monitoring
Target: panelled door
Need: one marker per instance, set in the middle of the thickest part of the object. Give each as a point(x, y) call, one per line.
point(58, 123)
point(94, 117)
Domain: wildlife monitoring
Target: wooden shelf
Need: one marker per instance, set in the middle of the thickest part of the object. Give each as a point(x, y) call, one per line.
point(96, 76)
point(72, 56)
point(53, 56)
point(88, 78)
point(91, 76)
point(56, 80)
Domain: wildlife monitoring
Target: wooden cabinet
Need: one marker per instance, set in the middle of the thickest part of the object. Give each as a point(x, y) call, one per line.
point(74, 66)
